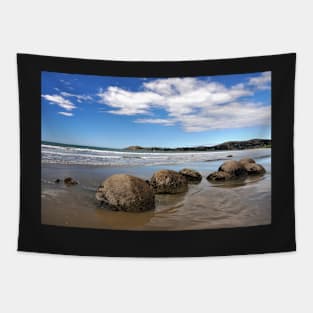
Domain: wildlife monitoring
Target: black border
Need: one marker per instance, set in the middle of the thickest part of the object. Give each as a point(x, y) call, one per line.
point(277, 237)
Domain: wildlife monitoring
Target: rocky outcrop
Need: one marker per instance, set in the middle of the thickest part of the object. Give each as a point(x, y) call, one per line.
point(191, 175)
point(69, 181)
point(128, 193)
point(167, 181)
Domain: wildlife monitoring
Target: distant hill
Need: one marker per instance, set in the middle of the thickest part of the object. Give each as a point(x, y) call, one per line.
point(229, 145)
point(134, 148)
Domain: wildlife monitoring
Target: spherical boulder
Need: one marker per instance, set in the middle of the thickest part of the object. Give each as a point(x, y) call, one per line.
point(69, 181)
point(234, 168)
point(246, 160)
point(254, 169)
point(219, 176)
point(122, 192)
point(167, 181)
point(191, 175)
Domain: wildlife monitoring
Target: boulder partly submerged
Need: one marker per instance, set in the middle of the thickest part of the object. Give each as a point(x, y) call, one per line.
point(121, 192)
point(234, 168)
point(246, 161)
point(254, 169)
point(191, 175)
point(69, 181)
point(168, 181)
point(219, 176)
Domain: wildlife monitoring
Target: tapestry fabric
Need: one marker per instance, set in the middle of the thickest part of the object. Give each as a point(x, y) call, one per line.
point(156, 159)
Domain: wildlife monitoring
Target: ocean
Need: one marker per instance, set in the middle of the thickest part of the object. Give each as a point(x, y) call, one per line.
point(81, 155)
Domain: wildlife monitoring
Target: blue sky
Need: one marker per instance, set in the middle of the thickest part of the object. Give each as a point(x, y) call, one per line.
point(117, 112)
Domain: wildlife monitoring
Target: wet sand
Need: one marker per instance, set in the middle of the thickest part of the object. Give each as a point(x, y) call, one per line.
point(203, 206)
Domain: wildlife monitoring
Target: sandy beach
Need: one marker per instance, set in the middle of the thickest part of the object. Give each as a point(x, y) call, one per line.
point(204, 206)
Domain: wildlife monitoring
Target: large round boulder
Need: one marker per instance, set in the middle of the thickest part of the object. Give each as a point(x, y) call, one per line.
point(234, 168)
point(191, 175)
point(219, 176)
point(246, 161)
point(122, 192)
point(254, 169)
point(167, 181)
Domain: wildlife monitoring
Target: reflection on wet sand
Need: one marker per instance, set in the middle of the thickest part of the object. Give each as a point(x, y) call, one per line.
point(206, 205)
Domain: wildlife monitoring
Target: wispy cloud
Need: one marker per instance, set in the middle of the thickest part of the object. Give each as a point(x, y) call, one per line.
point(65, 82)
point(160, 121)
point(194, 104)
point(262, 81)
point(68, 114)
point(76, 96)
point(63, 102)
point(60, 101)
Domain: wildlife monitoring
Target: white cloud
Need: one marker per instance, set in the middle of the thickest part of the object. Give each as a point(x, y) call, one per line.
point(60, 101)
point(261, 82)
point(64, 103)
point(79, 98)
point(66, 113)
point(128, 102)
point(233, 115)
point(194, 104)
point(175, 95)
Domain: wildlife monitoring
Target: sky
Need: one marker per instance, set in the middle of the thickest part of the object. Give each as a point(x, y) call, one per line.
point(116, 112)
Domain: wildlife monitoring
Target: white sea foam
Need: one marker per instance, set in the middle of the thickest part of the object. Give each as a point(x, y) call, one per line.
point(88, 156)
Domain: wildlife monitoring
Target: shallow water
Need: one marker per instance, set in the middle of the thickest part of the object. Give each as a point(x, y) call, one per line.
point(203, 206)
point(74, 155)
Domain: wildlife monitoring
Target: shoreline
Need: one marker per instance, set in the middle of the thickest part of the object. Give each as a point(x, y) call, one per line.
point(54, 164)
point(78, 156)
point(203, 206)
